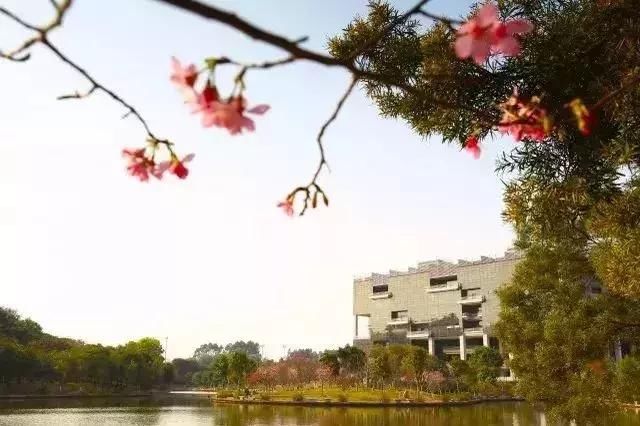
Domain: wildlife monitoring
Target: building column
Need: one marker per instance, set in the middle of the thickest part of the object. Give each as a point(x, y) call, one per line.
point(356, 325)
point(618, 350)
point(432, 346)
point(463, 348)
point(485, 340)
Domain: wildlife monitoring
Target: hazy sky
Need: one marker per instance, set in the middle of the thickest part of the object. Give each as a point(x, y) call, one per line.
point(91, 253)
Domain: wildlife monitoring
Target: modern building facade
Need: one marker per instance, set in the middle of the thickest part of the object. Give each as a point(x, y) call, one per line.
point(448, 308)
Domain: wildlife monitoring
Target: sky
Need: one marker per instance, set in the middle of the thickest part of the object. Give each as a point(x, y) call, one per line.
point(91, 253)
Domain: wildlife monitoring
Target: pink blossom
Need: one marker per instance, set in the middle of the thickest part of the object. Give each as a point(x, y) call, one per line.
point(207, 100)
point(525, 119)
point(287, 206)
point(485, 31)
point(138, 165)
point(178, 168)
point(183, 76)
point(175, 166)
point(230, 115)
point(472, 145)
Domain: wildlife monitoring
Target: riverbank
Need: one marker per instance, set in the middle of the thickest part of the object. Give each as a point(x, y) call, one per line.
point(362, 404)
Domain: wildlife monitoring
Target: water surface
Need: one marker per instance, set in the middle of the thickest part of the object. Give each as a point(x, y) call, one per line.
point(176, 411)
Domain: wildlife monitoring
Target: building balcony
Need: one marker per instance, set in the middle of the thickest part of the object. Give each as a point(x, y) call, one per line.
point(472, 299)
point(419, 334)
point(383, 295)
point(473, 331)
point(468, 316)
point(399, 321)
point(450, 286)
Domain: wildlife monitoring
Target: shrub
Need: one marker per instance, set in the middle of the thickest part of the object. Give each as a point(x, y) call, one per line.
point(298, 397)
point(264, 397)
point(342, 397)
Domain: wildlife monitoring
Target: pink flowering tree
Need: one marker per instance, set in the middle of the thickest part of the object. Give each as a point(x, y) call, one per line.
point(324, 374)
point(559, 78)
point(484, 36)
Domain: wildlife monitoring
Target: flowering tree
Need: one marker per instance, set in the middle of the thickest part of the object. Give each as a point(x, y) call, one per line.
point(559, 77)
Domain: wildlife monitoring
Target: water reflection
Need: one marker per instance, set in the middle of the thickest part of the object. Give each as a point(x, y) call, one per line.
point(146, 414)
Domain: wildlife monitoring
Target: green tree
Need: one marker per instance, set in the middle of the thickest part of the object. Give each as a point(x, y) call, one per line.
point(352, 360)
point(205, 353)
point(378, 367)
point(219, 370)
point(572, 199)
point(240, 366)
point(627, 379)
point(251, 348)
point(486, 363)
point(331, 360)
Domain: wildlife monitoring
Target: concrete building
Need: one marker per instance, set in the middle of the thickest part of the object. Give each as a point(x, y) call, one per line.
point(448, 308)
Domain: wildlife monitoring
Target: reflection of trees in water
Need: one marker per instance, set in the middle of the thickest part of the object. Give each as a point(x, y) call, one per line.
point(498, 414)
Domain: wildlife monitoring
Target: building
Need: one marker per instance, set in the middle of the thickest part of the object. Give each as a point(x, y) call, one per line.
point(448, 308)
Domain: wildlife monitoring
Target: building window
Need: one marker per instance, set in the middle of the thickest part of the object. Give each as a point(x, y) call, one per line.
point(399, 314)
point(442, 281)
point(380, 288)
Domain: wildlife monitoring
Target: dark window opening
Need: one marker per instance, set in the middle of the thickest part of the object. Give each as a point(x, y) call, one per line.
point(442, 280)
point(399, 314)
point(380, 288)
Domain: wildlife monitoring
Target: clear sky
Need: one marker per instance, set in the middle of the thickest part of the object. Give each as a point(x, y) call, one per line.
point(93, 254)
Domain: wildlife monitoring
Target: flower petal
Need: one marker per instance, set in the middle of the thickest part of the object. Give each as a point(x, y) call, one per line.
point(480, 51)
point(259, 109)
point(518, 26)
point(509, 46)
point(463, 46)
point(487, 15)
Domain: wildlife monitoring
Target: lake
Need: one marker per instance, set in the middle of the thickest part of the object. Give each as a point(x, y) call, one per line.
point(183, 411)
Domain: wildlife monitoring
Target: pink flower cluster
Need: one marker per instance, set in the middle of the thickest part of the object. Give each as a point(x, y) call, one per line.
point(229, 113)
point(142, 165)
point(525, 119)
point(485, 34)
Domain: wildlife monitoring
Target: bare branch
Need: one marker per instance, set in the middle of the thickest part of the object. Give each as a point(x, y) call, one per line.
point(313, 190)
point(41, 37)
point(42, 32)
point(78, 95)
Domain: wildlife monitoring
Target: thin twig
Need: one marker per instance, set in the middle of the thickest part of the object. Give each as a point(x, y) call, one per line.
point(611, 95)
point(327, 123)
point(313, 190)
point(42, 32)
point(41, 37)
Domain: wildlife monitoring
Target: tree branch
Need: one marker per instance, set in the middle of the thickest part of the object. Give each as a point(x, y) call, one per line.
point(41, 37)
point(61, 10)
point(312, 190)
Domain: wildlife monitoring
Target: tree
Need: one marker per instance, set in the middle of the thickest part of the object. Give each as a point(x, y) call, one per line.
point(627, 379)
point(352, 360)
point(574, 67)
point(240, 366)
point(378, 367)
point(251, 348)
point(219, 370)
point(205, 353)
point(486, 363)
point(330, 359)
point(184, 369)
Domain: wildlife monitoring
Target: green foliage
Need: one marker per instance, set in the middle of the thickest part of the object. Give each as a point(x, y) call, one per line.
point(240, 366)
point(627, 379)
point(486, 362)
point(352, 360)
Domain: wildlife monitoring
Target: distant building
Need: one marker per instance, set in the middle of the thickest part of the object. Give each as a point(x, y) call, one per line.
point(448, 308)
